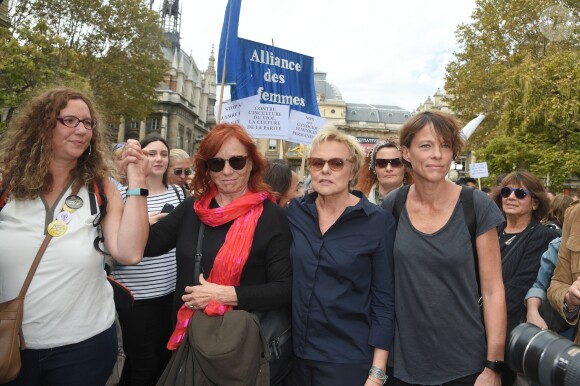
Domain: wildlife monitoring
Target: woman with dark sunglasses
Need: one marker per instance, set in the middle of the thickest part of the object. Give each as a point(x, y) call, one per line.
point(245, 238)
point(385, 172)
point(523, 239)
point(343, 285)
point(180, 171)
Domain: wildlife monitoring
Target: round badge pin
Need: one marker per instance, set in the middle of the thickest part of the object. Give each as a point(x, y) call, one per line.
point(66, 208)
point(57, 228)
point(74, 202)
point(64, 216)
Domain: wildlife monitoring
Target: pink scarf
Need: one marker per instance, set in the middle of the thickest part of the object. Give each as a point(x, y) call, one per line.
point(230, 259)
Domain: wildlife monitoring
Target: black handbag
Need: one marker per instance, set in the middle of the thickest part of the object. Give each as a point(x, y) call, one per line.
point(276, 326)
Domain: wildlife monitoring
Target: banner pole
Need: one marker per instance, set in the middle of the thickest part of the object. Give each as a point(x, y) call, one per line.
point(225, 58)
point(303, 162)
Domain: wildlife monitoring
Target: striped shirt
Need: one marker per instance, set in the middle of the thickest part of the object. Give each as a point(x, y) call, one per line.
point(154, 276)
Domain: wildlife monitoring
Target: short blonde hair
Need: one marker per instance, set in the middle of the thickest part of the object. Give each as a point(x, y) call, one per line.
point(357, 155)
point(177, 154)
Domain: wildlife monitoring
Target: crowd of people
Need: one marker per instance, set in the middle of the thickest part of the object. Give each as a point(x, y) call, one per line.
point(392, 274)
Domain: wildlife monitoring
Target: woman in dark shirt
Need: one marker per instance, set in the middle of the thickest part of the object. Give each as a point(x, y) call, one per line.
point(343, 292)
point(244, 231)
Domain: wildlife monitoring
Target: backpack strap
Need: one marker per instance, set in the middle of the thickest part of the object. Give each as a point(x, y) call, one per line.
point(400, 200)
point(466, 197)
point(4, 190)
point(97, 197)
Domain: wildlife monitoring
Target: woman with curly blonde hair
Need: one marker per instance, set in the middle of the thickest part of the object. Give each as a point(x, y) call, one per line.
point(52, 153)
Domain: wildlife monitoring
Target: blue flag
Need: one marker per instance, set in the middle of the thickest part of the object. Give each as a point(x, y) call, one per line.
point(229, 42)
point(278, 76)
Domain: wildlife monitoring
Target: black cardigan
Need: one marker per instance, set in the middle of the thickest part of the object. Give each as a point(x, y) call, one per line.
point(266, 281)
point(520, 266)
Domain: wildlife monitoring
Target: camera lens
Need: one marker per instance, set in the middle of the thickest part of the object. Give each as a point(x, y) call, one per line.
point(544, 356)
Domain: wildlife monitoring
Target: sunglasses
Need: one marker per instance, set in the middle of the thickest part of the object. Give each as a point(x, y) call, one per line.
point(335, 164)
point(520, 193)
point(383, 162)
point(179, 171)
point(237, 162)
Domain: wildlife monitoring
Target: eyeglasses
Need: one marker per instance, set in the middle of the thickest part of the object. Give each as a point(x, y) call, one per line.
point(520, 193)
point(237, 162)
point(179, 171)
point(72, 122)
point(335, 164)
point(383, 162)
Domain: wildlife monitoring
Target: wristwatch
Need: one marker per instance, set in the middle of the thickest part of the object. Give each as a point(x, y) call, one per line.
point(497, 366)
point(138, 192)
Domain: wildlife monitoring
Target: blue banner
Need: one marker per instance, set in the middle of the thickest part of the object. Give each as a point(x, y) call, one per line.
point(276, 75)
point(229, 42)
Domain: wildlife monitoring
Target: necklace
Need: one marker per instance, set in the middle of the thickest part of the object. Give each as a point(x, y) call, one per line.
point(511, 239)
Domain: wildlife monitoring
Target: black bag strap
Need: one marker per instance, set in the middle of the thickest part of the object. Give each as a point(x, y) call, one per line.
point(177, 194)
point(400, 200)
point(198, 253)
point(466, 197)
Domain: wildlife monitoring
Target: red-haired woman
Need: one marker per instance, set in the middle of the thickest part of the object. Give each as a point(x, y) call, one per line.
point(245, 232)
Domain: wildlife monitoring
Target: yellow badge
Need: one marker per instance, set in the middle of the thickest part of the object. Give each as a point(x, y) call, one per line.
point(57, 228)
point(68, 208)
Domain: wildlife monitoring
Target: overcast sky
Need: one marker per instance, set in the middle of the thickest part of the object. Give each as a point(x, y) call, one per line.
point(374, 51)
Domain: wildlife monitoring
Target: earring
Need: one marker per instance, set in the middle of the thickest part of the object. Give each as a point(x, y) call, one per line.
point(90, 150)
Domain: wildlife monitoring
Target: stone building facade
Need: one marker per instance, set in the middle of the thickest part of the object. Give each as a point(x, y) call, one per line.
point(184, 112)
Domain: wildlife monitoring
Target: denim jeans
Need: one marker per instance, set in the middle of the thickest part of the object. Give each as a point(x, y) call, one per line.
point(87, 363)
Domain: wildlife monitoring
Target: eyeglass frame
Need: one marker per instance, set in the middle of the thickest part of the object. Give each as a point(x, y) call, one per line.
point(223, 161)
point(327, 161)
point(92, 122)
point(186, 171)
point(516, 191)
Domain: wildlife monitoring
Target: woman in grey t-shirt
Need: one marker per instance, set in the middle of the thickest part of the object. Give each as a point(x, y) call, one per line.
point(440, 337)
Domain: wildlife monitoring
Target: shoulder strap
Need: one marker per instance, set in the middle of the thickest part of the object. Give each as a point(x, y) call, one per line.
point(4, 190)
point(400, 200)
point(176, 193)
point(466, 197)
point(98, 197)
point(198, 253)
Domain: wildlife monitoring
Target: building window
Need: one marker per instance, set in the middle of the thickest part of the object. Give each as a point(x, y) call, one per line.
point(333, 111)
point(134, 125)
point(273, 144)
point(155, 123)
point(390, 115)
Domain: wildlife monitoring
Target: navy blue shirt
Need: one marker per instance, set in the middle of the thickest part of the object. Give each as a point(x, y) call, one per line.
point(343, 284)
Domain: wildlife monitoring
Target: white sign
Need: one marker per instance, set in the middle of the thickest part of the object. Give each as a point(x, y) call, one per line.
point(265, 120)
point(478, 170)
point(231, 110)
point(303, 127)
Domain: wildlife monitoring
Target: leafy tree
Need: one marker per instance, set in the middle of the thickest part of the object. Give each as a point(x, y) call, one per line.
point(114, 45)
point(526, 81)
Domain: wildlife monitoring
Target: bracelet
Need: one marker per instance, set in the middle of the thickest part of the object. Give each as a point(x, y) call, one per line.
point(570, 313)
point(373, 381)
point(378, 374)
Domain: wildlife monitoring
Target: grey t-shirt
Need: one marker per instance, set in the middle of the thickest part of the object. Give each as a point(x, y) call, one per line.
point(439, 333)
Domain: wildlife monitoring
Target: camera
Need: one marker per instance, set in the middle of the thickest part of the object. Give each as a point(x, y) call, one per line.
point(543, 356)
